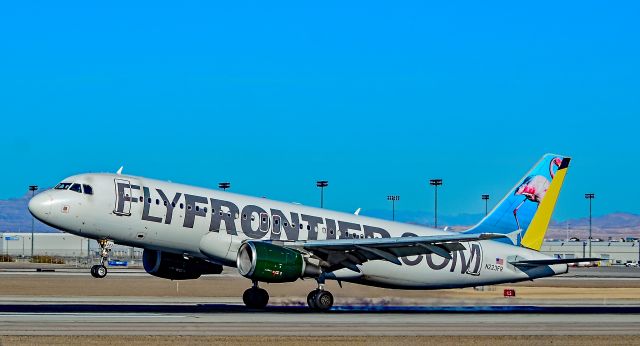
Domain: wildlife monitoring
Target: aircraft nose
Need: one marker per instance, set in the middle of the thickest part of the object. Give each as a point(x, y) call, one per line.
point(40, 205)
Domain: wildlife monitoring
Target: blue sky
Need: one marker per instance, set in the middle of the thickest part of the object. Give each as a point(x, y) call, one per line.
point(374, 97)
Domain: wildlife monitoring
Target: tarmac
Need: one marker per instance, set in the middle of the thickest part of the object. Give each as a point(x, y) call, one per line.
point(316, 324)
point(39, 314)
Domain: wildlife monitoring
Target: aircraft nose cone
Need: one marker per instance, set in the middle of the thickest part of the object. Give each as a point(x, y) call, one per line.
point(40, 206)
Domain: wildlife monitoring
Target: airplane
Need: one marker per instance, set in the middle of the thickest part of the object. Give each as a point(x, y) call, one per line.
point(188, 231)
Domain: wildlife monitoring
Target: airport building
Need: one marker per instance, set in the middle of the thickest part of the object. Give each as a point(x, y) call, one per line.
point(618, 252)
point(59, 245)
point(69, 245)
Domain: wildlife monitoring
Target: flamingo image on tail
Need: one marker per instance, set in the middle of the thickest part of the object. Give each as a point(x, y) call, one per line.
point(534, 187)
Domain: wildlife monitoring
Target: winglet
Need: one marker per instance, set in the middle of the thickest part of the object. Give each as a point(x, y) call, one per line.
point(357, 212)
point(119, 172)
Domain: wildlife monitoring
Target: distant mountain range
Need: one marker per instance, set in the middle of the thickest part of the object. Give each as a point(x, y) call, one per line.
point(15, 217)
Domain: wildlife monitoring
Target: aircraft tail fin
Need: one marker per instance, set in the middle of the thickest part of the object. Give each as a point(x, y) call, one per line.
point(525, 212)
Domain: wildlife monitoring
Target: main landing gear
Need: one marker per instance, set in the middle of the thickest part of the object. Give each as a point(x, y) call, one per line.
point(255, 297)
point(99, 270)
point(320, 299)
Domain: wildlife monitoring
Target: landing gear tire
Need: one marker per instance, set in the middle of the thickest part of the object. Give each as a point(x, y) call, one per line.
point(98, 271)
point(323, 300)
point(255, 298)
point(320, 300)
point(311, 299)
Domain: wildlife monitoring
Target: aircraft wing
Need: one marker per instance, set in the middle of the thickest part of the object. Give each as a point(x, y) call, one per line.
point(336, 254)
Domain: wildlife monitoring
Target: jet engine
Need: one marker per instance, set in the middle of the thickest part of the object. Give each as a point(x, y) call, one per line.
point(176, 267)
point(265, 262)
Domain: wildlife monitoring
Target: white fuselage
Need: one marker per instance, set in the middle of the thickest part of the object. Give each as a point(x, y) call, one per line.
point(211, 225)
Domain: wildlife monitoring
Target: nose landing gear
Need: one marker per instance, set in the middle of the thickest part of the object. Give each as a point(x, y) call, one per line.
point(255, 297)
point(99, 271)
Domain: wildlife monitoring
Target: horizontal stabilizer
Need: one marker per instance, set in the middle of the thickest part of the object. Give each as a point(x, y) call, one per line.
point(552, 261)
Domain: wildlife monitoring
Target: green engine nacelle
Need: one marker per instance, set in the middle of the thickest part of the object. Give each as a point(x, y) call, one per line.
point(267, 262)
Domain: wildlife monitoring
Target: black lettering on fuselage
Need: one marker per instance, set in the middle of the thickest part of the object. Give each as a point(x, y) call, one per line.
point(124, 197)
point(218, 215)
point(344, 228)
point(251, 214)
point(475, 258)
point(371, 231)
point(313, 224)
point(255, 223)
point(331, 228)
point(406, 260)
point(432, 265)
point(147, 207)
point(290, 228)
point(193, 209)
point(169, 204)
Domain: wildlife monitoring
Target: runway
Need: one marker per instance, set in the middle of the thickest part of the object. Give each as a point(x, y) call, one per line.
point(230, 319)
point(71, 303)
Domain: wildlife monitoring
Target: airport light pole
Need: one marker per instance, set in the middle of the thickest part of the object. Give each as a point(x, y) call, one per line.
point(33, 189)
point(486, 204)
point(322, 184)
point(436, 183)
point(393, 199)
point(224, 185)
point(590, 197)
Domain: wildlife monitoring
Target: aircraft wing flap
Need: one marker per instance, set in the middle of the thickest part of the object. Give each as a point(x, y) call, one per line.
point(552, 261)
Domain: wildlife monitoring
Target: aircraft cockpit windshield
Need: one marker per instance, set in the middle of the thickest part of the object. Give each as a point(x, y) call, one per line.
point(79, 188)
point(62, 186)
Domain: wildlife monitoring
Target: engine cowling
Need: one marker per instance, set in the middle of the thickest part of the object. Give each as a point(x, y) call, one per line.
point(267, 262)
point(175, 267)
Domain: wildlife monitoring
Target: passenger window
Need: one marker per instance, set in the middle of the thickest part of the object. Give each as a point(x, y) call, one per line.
point(308, 227)
point(157, 201)
point(76, 188)
point(286, 224)
point(165, 203)
point(87, 189)
point(141, 199)
point(188, 206)
point(173, 204)
point(197, 208)
point(181, 206)
point(149, 200)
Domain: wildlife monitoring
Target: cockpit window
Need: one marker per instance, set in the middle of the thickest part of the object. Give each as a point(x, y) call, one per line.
point(76, 188)
point(87, 189)
point(62, 186)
